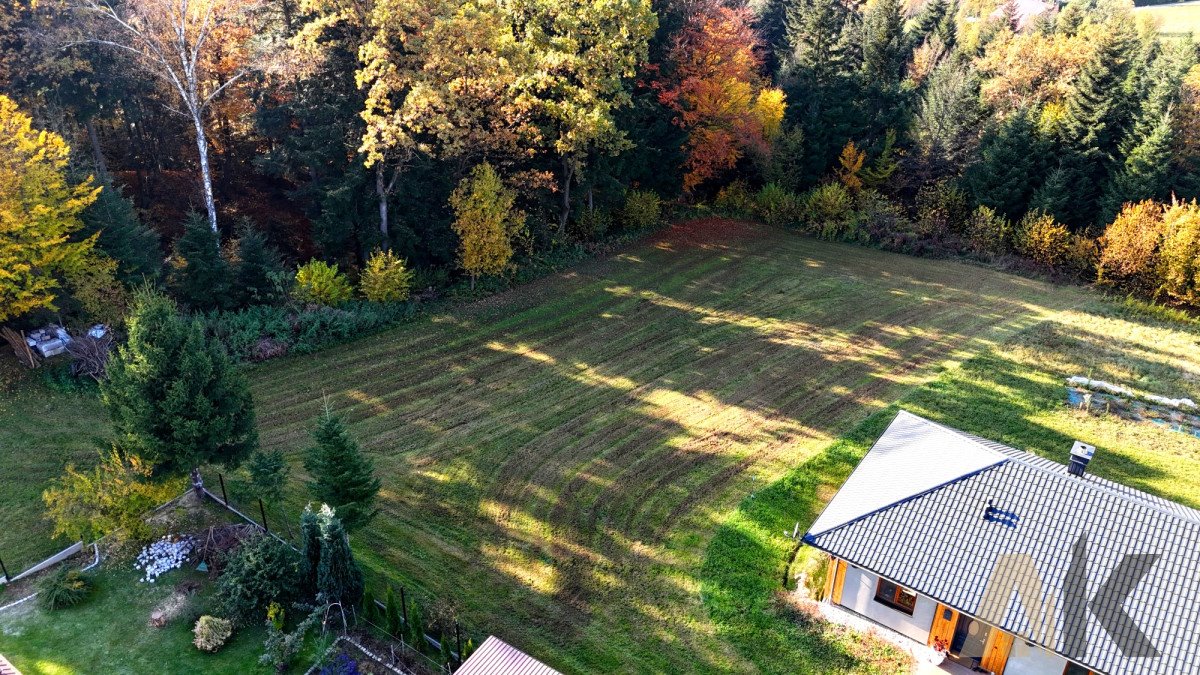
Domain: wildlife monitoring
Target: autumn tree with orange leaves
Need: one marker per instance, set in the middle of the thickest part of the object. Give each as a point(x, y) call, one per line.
point(717, 92)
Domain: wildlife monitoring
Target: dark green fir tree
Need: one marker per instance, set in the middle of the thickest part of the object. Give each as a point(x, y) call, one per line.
point(342, 476)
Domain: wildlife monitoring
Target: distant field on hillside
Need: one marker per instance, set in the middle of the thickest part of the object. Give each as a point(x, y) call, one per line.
point(1175, 18)
point(558, 458)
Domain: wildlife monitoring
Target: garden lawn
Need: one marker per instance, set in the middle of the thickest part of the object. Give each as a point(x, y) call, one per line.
point(40, 432)
point(108, 633)
point(565, 462)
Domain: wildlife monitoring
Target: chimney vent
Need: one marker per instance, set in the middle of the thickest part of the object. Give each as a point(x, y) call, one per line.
point(1081, 454)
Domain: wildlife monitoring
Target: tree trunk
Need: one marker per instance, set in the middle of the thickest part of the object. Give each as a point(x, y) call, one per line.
point(210, 203)
point(97, 154)
point(565, 212)
point(381, 192)
point(197, 482)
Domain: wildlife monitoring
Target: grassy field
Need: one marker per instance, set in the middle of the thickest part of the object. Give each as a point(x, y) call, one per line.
point(566, 461)
point(1174, 19)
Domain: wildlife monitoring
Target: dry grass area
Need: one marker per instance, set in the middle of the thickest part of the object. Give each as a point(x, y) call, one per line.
point(558, 458)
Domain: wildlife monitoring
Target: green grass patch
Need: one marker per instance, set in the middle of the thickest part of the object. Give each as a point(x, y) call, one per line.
point(1174, 19)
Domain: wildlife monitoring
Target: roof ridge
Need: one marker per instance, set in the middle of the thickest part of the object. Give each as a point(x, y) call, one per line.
point(1024, 457)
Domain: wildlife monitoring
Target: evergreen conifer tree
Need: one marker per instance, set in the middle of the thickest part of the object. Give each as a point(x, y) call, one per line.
point(310, 547)
point(342, 476)
point(1054, 195)
point(416, 627)
point(339, 578)
point(1010, 167)
point(123, 236)
point(200, 275)
point(395, 624)
point(255, 262)
point(1146, 173)
point(175, 398)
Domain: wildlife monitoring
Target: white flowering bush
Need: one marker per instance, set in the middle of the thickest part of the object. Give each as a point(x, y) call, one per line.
point(162, 556)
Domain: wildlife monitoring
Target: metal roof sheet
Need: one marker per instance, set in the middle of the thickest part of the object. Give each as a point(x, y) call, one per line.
point(497, 657)
point(938, 543)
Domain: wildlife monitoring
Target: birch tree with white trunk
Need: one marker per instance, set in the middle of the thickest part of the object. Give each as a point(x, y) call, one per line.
point(183, 43)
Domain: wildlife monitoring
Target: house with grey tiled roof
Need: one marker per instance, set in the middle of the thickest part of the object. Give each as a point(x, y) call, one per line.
point(1011, 563)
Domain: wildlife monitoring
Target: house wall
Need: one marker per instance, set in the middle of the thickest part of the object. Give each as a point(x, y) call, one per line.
point(858, 594)
point(1031, 660)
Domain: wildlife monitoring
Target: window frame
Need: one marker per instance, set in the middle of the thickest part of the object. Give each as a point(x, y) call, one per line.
point(892, 600)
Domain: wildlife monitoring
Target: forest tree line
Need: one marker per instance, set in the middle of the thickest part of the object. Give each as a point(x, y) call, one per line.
point(213, 145)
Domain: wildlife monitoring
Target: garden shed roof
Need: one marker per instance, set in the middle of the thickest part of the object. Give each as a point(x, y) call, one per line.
point(497, 657)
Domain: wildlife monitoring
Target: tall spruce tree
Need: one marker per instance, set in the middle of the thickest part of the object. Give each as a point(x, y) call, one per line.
point(819, 76)
point(1145, 174)
point(1093, 124)
point(339, 578)
point(1012, 158)
point(175, 398)
point(200, 275)
point(342, 476)
point(255, 261)
point(1053, 197)
point(122, 235)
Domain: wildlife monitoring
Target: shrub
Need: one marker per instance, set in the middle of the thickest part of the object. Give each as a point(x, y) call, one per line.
point(211, 633)
point(1178, 267)
point(280, 648)
point(880, 220)
point(591, 224)
point(735, 200)
point(642, 210)
point(386, 278)
point(941, 209)
point(262, 571)
point(1129, 247)
point(776, 206)
point(302, 332)
point(65, 588)
point(111, 498)
point(827, 210)
point(486, 220)
point(988, 232)
point(1044, 240)
point(321, 283)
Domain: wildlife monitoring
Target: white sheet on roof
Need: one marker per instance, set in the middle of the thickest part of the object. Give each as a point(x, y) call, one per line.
point(912, 456)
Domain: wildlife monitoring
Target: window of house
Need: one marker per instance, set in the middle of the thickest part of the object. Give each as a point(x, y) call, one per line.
point(1073, 669)
point(895, 596)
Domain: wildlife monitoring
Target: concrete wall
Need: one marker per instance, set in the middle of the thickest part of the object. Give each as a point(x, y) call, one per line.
point(858, 594)
point(1032, 660)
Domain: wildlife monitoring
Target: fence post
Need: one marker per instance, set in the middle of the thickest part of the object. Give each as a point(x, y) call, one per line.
point(224, 496)
point(263, 513)
point(2, 567)
point(458, 639)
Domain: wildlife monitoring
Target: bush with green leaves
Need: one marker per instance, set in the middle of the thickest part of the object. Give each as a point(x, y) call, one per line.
point(735, 200)
point(642, 210)
point(211, 633)
point(386, 278)
point(263, 570)
point(66, 587)
point(591, 224)
point(320, 283)
point(265, 331)
point(777, 206)
point(827, 210)
point(280, 648)
point(879, 219)
point(988, 232)
point(941, 209)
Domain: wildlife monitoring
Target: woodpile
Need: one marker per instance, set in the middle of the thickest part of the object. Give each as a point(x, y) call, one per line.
point(17, 341)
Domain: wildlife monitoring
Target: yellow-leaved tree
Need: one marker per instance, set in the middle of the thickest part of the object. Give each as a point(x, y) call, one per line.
point(39, 210)
point(486, 221)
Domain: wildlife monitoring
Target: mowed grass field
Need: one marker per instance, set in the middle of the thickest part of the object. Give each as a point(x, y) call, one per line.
point(558, 458)
point(600, 466)
point(1175, 18)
